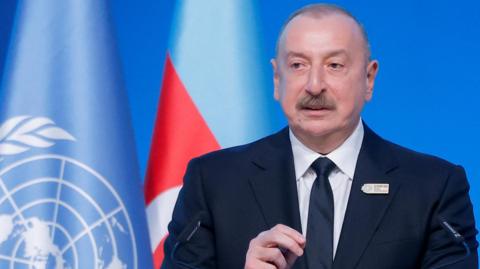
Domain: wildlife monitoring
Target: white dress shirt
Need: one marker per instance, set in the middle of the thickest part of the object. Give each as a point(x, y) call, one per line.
point(345, 158)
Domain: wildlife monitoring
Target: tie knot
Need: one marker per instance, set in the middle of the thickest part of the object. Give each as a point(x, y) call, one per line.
point(323, 166)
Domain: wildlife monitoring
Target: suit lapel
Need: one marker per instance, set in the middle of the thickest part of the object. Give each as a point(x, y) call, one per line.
point(365, 211)
point(274, 187)
point(274, 184)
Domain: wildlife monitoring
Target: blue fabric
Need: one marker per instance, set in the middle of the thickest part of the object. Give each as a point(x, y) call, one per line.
point(319, 248)
point(68, 169)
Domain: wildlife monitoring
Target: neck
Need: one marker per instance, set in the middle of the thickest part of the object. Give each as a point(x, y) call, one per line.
point(324, 144)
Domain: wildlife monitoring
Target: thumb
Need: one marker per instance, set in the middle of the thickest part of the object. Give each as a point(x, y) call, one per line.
point(290, 257)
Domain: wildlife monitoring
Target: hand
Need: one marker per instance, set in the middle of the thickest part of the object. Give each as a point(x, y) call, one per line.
point(277, 248)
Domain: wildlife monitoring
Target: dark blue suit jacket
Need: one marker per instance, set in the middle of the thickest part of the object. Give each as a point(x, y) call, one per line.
point(248, 189)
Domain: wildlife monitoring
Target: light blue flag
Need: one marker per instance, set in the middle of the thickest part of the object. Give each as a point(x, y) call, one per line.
point(70, 191)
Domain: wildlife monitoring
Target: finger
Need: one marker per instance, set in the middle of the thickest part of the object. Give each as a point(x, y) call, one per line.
point(260, 265)
point(257, 264)
point(275, 256)
point(290, 258)
point(276, 239)
point(262, 258)
point(270, 256)
point(294, 234)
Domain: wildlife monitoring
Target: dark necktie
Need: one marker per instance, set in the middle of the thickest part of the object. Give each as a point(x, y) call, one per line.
point(319, 248)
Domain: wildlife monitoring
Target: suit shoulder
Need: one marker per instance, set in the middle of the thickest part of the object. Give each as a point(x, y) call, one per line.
point(240, 152)
point(429, 168)
point(416, 158)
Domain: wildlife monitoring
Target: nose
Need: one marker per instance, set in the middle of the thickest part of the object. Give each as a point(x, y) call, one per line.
point(316, 81)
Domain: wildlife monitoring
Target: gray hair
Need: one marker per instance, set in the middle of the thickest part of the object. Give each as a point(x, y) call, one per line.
point(321, 10)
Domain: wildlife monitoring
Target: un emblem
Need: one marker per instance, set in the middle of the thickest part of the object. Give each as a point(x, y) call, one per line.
point(55, 211)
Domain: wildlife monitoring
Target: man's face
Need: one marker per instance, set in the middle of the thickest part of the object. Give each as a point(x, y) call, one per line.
point(322, 76)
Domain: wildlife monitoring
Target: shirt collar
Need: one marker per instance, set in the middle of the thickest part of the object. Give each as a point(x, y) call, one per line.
point(345, 156)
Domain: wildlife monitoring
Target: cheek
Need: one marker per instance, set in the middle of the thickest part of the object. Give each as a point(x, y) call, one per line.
point(289, 92)
point(351, 99)
point(288, 101)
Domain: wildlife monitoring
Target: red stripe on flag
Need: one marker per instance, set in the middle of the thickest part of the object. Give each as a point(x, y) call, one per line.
point(180, 134)
point(158, 254)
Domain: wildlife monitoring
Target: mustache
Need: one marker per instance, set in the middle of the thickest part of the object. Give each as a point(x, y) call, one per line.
point(319, 101)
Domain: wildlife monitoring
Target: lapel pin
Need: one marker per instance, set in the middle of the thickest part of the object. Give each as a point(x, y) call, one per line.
point(375, 188)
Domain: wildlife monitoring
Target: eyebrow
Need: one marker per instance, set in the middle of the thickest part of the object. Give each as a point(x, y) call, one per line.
point(337, 53)
point(291, 54)
point(329, 54)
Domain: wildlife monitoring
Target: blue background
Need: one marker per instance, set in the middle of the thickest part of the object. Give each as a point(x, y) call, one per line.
point(426, 95)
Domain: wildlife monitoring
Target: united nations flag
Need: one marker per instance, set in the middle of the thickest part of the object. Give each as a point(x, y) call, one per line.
point(70, 191)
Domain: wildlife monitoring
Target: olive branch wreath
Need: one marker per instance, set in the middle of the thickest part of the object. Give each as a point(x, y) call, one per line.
point(22, 133)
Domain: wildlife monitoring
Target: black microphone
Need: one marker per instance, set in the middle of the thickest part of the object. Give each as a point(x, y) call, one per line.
point(458, 238)
point(187, 233)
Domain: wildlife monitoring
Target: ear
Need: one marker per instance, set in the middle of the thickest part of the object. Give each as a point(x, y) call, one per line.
point(276, 93)
point(372, 70)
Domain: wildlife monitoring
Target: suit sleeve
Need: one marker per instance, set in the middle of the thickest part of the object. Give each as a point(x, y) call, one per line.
point(199, 251)
point(455, 207)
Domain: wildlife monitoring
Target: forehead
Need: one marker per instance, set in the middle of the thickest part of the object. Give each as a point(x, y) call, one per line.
point(310, 34)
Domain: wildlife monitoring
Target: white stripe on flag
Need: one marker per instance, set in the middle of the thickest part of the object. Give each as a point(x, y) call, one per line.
point(159, 214)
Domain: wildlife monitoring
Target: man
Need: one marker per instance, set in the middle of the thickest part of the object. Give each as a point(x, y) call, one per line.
point(326, 192)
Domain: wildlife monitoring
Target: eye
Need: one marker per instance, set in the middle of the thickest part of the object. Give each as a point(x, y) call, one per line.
point(336, 66)
point(296, 65)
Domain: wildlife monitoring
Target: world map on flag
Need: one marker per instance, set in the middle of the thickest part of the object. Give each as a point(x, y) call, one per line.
point(57, 212)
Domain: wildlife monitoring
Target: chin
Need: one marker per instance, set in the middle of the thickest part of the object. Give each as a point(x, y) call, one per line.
point(315, 129)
